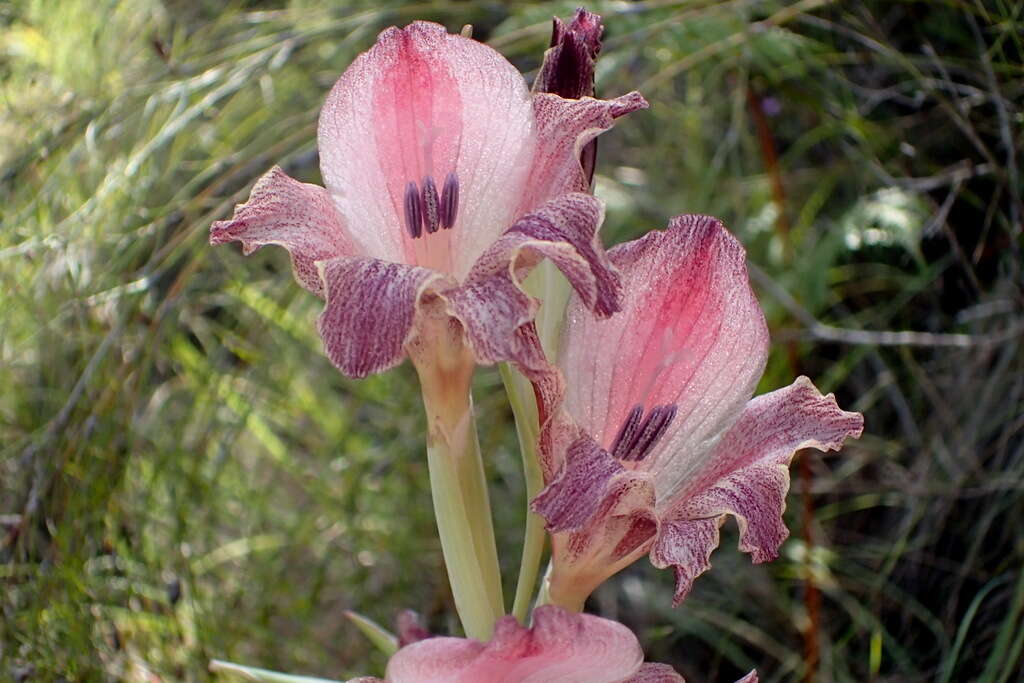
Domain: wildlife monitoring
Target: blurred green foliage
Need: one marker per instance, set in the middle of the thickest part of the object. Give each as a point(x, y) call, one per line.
point(184, 476)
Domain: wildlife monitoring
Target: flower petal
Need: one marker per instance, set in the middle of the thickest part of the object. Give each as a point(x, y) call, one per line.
point(297, 216)
point(370, 310)
point(749, 678)
point(686, 546)
point(574, 496)
point(747, 476)
point(564, 127)
point(601, 519)
point(690, 334)
point(560, 647)
point(491, 304)
point(656, 673)
point(423, 102)
point(568, 68)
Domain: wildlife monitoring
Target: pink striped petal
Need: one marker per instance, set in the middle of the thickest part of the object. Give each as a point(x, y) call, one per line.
point(560, 647)
point(690, 334)
point(656, 673)
point(423, 102)
point(491, 304)
point(370, 311)
point(564, 128)
point(749, 678)
point(297, 216)
point(747, 476)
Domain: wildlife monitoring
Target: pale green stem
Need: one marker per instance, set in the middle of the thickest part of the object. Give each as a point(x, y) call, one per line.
point(461, 502)
point(551, 287)
point(524, 407)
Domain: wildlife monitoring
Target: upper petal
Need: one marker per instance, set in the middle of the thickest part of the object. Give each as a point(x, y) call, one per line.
point(564, 127)
point(370, 311)
point(423, 102)
point(747, 476)
point(297, 216)
point(690, 334)
point(560, 647)
point(491, 304)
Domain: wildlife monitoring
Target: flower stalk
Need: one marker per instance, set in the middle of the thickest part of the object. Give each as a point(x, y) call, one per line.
point(524, 408)
point(459, 488)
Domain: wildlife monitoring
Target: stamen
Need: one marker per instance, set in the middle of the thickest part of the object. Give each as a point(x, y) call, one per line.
point(626, 433)
point(654, 428)
point(429, 203)
point(413, 214)
point(635, 440)
point(449, 200)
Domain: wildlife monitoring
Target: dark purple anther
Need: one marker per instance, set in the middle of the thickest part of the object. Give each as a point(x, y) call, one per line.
point(620, 447)
point(449, 200)
point(654, 428)
point(636, 440)
point(413, 215)
point(429, 205)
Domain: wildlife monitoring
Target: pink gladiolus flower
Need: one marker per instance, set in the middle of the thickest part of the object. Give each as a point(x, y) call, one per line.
point(446, 181)
point(560, 647)
point(657, 439)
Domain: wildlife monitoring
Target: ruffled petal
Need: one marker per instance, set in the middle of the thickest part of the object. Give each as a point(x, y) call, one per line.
point(564, 129)
point(747, 476)
point(370, 311)
point(656, 673)
point(423, 103)
point(560, 647)
point(574, 496)
point(691, 334)
point(568, 67)
point(297, 216)
point(686, 546)
point(491, 304)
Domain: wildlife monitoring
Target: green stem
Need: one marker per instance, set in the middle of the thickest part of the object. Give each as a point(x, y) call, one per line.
point(524, 407)
point(459, 490)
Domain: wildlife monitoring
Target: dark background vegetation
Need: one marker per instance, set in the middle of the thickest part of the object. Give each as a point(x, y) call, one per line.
point(184, 475)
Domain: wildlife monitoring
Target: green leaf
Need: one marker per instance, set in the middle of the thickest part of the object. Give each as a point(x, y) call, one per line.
point(383, 639)
point(251, 673)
